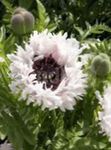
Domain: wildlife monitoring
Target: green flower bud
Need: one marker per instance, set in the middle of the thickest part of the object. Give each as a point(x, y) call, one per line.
point(100, 65)
point(22, 21)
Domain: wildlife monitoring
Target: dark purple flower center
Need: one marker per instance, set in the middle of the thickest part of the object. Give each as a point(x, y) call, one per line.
point(48, 71)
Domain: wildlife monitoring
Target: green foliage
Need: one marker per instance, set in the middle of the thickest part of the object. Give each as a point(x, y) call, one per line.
point(90, 31)
point(43, 21)
point(25, 3)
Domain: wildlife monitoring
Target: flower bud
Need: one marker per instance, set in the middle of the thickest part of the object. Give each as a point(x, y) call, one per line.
point(22, 21)
point(100, 65)
point(19, 10)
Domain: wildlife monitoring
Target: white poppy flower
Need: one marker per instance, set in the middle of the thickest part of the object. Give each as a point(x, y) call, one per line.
point(47, 71)
point(105, 114)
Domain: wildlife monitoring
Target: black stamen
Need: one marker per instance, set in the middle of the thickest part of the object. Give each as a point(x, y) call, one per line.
point(47, 70)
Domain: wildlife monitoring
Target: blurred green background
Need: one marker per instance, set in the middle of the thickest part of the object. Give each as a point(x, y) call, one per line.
point(65, 13)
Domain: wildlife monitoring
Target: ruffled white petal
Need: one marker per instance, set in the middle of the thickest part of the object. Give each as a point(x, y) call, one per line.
point(2, 59)
point(105, 114)
point(66, 53)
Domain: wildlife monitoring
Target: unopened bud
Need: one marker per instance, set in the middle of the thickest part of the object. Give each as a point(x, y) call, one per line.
point(22, 21)
point(19, 10)
point(100, 65)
